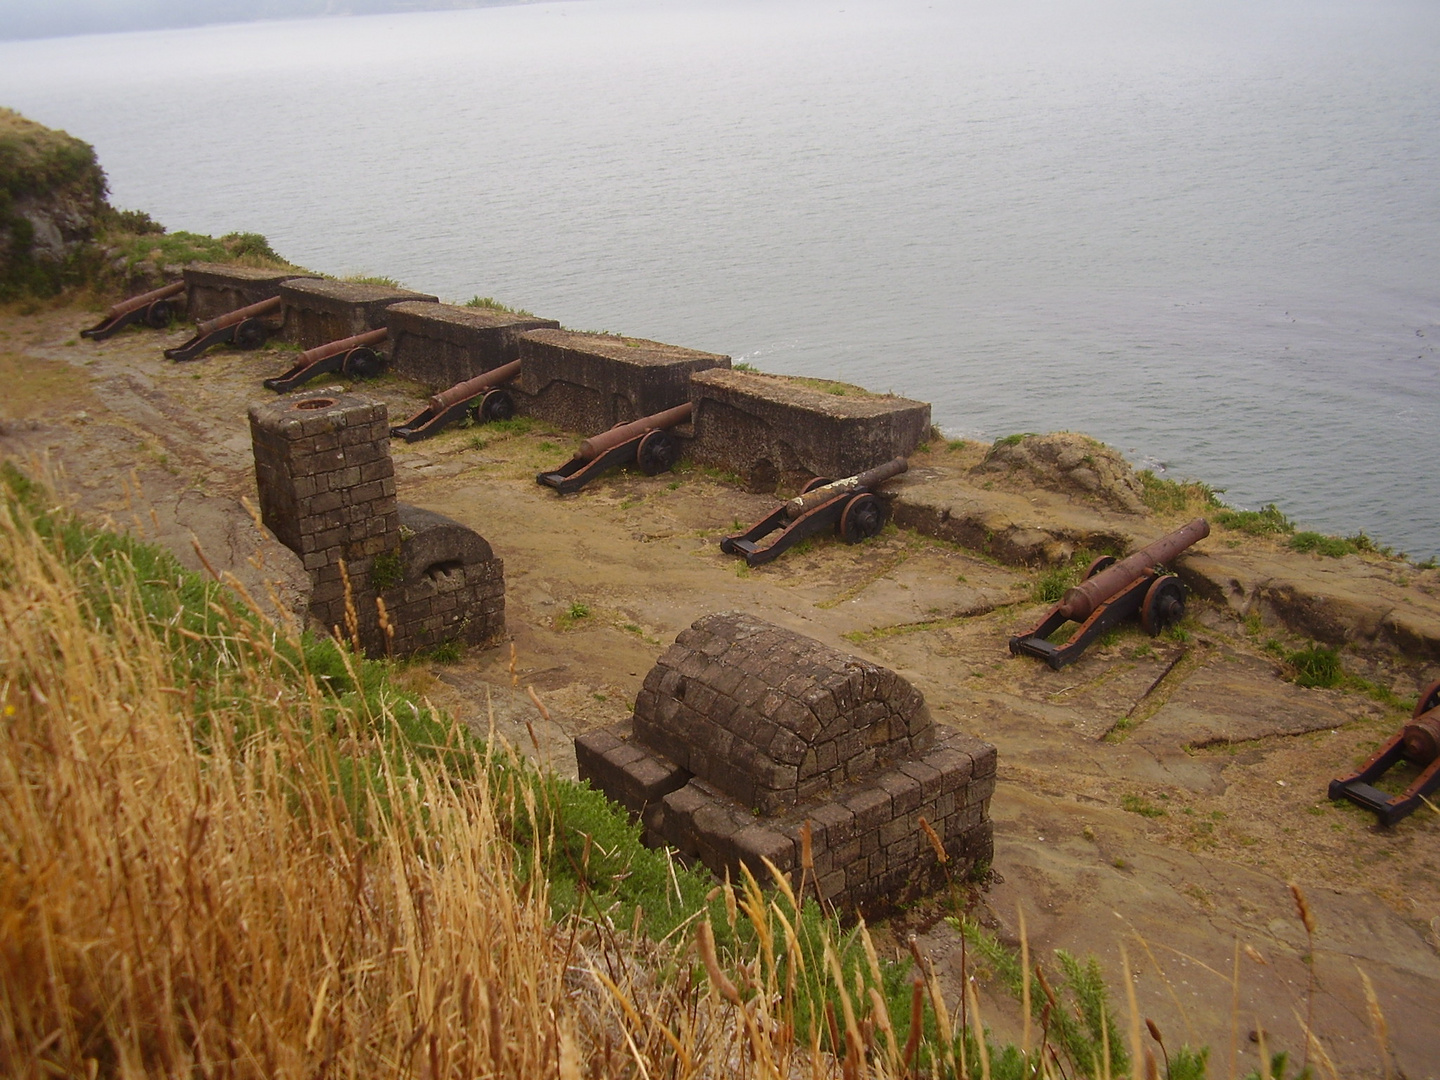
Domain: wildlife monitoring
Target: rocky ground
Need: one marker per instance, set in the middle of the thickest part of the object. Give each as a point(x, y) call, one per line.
point(1154, 799)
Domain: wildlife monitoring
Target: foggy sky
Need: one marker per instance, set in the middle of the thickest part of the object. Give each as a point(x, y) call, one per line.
point(58, 18)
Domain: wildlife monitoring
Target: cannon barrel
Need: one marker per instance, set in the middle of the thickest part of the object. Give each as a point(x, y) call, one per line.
point(473, 387)
point(330, 348)
point(868, 479)
point(135, 303)
point(230, 318)
point(1079, 602)
point(596, 445)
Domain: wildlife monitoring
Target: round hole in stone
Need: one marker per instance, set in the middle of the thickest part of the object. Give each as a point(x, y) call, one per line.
point(315, 403)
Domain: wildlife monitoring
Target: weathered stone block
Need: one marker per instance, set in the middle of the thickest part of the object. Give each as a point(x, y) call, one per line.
point(214, 289)
point(319, 310)
point(773, 427)
point(444, 344)
point(590, 382)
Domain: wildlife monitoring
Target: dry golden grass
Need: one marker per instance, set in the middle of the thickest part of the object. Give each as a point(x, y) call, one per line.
point(212, 905)
point(172, 911)
point(189, 887)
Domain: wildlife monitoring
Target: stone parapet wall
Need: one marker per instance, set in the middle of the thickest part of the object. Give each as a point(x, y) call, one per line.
point(774, 428)
point(327, 491)
point(444, 344)
point(740, 716)
point(590, 382)
point(214, 289)
point(772, 717)
point(319, 311)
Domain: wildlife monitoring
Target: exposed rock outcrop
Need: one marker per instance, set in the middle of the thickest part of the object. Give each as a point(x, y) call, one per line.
point(1070, 464)
point(52, 202)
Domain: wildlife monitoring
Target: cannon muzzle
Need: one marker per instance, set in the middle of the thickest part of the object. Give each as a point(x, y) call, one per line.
point(1078, 603)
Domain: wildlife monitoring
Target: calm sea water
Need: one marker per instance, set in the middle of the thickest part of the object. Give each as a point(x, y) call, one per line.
point(1204, 231)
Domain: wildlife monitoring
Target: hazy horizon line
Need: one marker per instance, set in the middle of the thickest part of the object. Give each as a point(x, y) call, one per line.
point(22, 20)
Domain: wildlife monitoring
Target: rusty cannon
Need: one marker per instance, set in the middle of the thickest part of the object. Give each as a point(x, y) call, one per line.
point(244, 328)
point(484, 398)
point(1418, 742)
point(353, 356)
point(1112, 592)
point(850, 506)
point(646, 442)
point(152, 308)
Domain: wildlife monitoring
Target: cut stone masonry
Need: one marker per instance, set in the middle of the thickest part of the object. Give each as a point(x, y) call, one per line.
point(771, 428)
point(443, 344)
point(327, 491)
point(590, 382)
point(319, 311)
point(744, 732)
point(213, 289)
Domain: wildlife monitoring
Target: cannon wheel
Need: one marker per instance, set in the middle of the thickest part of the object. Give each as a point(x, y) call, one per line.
point(250, 334)
point(157, 315)
point(497, 404)
point(1099, 564)
point(863, 517)
point(362, 363)
point(1164, 604)
point(1428, 700)
point(658, 451)
point(811, 485)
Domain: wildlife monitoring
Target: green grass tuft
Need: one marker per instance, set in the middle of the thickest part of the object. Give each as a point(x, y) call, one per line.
point(1331, 546)
point(372, 279)
point(1268, 520)
point(1317, 666)
point(1136, 804)
point(1177, 496)
point(491, 304)
point(386, 571)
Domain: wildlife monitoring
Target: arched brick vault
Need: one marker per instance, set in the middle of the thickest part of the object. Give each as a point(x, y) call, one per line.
point(744, 731)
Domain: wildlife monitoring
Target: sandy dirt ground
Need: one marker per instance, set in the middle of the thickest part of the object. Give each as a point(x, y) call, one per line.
point(1154, 799)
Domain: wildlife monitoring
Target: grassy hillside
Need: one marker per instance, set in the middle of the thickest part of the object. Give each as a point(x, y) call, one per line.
point(58, 231)
point(52, 197)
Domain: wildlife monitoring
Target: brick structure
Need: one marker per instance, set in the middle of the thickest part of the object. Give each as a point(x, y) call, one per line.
point(327, 492)
point(443, 344)
point(590, 382)
point(770, 428)
point(319, 311)
point(213, 289)
point(745, 731)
